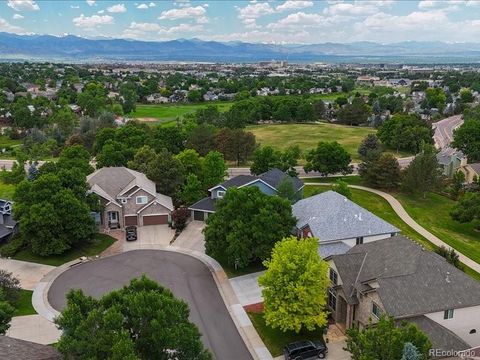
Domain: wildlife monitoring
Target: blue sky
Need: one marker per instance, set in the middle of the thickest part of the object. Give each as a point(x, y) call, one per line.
point(299, 21)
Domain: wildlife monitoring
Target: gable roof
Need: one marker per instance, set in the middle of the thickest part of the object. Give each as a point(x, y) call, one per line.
point(237, 181)
point(475, 167)
point(331, 216)
point(13, 349)
point(422, 282)
point(274, 178)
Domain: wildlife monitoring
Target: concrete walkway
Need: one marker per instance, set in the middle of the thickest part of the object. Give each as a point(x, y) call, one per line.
point(34, 328)
point(247, 289)
point(192, 237)
point(28, 273)
point(402, 213)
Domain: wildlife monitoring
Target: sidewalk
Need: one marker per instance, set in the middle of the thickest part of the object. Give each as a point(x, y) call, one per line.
point(247, 289)
point(28, 273)
point(34, 328)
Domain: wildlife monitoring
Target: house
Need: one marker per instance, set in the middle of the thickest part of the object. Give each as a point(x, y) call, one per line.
point(451, 160)
point(13, 349)
point(8, 226)
point(267, 182)
point(399, 278)
point(128, 198)
point(338, 223)
point(472, 172)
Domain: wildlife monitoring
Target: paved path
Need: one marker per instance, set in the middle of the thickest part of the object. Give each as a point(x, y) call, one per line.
point(402, 213)
point(191, 237)
point(247, 289)
point(28, 273)
point(186, 276)
point(34, 328)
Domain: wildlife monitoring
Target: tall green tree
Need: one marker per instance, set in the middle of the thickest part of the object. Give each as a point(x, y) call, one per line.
point(77, 157)
point(140, 321)
point(342, 188)
point(192, 190)
point(214, 169)
point(423, 174)
point(369, 143)
point(355, 113)
point(6, 313)
point(246, 225)
point(295, 286)
point(236, 145)
point(467, 138)
point(385, 340)
point(468, 209)
point(93, 98)
point(264, 159)
point(381, 171)
point(328, 158)
point(128, 92)
point(191, 161)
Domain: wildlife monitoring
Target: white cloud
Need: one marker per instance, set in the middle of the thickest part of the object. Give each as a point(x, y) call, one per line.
point(255, 10)
point(5, 26)
point(142, 6)
point(357, 8)
point(74, 7)
point(118, 8)
point(152, 4)
point(144, 26)
point(92, 21)
point(197, 13)
point(293, 5)
point(17, 17)
point(100, 11)
point(91, 3)
point(182, 28)
point(152, 31)
point(23, 5)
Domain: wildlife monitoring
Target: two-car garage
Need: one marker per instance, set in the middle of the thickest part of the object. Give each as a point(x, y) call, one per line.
point(145, 220)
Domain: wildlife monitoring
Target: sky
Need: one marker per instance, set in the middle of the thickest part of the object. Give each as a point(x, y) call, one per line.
point(299, 21)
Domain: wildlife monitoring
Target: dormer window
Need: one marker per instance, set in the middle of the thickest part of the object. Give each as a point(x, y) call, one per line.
point(141, 200)
point(448, 314)
point(220, 193)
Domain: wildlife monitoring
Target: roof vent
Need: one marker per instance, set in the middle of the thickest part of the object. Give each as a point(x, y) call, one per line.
point(360, 216)
point(447, 278)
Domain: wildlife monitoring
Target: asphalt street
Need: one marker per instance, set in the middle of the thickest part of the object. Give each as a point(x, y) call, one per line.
point(187, 277)
point(444, 130)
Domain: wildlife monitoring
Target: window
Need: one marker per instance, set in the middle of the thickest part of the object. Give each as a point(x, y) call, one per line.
point(332, 299)
point(333, 276)
point(376, 310)
point(221, 193)
point(141, 200)
point(359, 240)
point(448, 314)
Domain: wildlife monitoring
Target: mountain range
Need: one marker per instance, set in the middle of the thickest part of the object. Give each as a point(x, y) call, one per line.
point(78, 49)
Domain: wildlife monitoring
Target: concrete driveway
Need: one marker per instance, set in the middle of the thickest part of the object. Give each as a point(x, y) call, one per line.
point(188, 278)
point(28, 273)
point(191, 237)
point(150, 237)
point(34, 328)
point(247, 289)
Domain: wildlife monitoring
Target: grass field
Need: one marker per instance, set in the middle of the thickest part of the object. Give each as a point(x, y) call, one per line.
point(7, 142)
point(6, 191)
point(307, 136)
point(24, 305)
point(275, 340)
point(99, 244)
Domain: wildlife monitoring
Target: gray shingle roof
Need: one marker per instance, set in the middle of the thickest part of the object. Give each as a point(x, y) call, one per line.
point(274, 178)
point(206, 204)
point(412, 281)
point(475, 167)
point(336, 248)
point(237, 181)
point(332, 216)
point(14, 349)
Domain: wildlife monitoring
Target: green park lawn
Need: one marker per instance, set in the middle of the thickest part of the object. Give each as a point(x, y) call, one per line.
point(24, 305)
point(274, 339)
point(307, 136)
point(99, 244)
point(6, 191)
point(7, 142)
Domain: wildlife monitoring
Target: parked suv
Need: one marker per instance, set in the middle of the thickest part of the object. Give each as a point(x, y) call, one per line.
point(131, 233)
point(301, 350)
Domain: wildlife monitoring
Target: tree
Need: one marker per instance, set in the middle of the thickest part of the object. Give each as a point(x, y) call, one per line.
point(286, 190)
point(77, 157)
point(114, 153)
point(192, 190)
point(295, 286)
point(385, 340)
point(410, 352)
point(458, 180)
point(170, 138)
point(435, 98)
point(264, 159)
point(16, 174)
point(342, 188)
point(328, 158)
point(9, 287)
point(355, 113)
point(289, 160)
point(128, 92)
point(180, 217)
point(467, 138)
point(380, 171)
point(93, 98)
point(368, 144)
point(214, 169)
point(140, 321)
point(450, 255)
point(468, 209)
point(236, 145)
point(191, 161)
point(423, 174)
point(246, 225)
point(202, 139)
point(319, 109)
point(6, 313)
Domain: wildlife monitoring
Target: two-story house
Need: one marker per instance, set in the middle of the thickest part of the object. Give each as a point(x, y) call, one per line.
point(128, 198)
point(450, 161)
point(338, 223)
point(399, 278)
point(268, 183)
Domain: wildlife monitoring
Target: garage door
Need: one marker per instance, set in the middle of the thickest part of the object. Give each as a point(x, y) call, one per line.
point(155, 219)
point(198, 215)
point(131, 220)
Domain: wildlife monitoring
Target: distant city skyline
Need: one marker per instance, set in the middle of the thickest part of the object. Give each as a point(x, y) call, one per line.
point(384, 21)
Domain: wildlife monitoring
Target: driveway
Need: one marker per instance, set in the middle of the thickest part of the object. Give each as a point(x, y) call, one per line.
point(28, 273)
point(247, 289)
point(191, 238)
point(34, 328)
point(187, 277)
point(150, 237)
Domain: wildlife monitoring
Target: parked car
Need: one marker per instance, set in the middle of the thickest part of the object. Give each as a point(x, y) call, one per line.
point(301, 350)
point(131, 233)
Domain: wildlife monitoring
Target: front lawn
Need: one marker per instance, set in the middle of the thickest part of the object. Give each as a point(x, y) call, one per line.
point(24, 305)
point(6, 191)
point(274, 339)
point(97, 246)
point(232, 272)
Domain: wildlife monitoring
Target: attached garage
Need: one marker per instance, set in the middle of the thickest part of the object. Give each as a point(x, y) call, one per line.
point(155, 219)
point(131, 220)
point(198, 215)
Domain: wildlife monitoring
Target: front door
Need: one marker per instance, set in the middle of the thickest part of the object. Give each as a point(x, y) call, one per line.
point(113, 219)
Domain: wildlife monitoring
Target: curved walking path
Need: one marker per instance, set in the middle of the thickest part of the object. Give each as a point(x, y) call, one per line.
point(402, 213)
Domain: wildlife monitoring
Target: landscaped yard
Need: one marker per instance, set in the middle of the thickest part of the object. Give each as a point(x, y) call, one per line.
point(307, 136)
point(24, 305)
point(99, 244)
point(6, 191)
point(274, 339)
